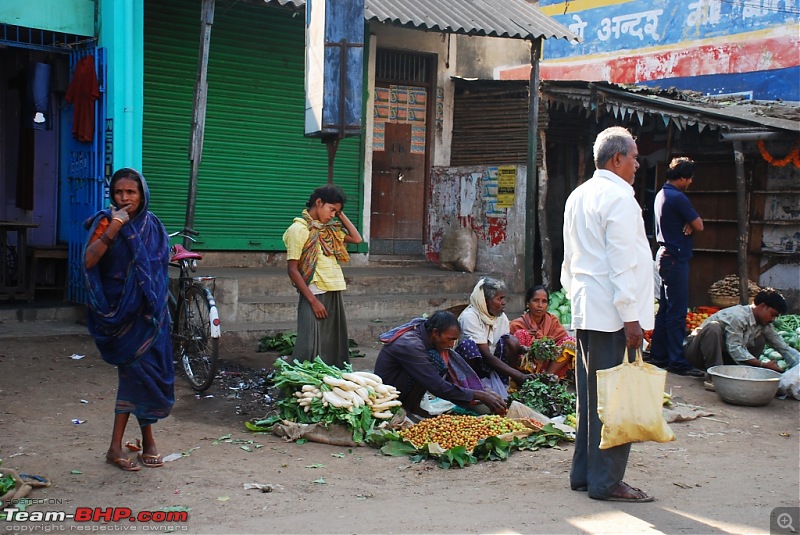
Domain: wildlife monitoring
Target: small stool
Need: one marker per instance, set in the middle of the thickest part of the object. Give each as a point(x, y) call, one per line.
point(55, 255)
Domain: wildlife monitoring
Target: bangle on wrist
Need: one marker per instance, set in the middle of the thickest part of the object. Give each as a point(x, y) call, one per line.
point(105, 239)
point(121, 222)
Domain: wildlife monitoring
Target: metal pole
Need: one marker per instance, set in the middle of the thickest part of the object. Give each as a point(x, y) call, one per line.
point(530, 178)
point(198, 114)
point(741, 219)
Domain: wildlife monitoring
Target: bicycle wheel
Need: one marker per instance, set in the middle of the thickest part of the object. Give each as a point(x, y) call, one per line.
point(199, 351)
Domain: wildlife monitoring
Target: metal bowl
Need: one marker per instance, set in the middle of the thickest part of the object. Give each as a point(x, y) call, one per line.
point(740, 384)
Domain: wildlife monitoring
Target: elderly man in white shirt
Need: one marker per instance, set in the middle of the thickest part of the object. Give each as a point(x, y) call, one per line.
point(608, 275)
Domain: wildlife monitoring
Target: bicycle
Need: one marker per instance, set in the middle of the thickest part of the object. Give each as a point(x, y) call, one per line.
point(195, 325)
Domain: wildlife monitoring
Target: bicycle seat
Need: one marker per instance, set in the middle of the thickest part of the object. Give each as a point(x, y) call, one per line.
point(182, 254)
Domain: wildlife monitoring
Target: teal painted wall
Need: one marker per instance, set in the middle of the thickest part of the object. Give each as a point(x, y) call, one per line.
point(67, 16)
point(121, 24)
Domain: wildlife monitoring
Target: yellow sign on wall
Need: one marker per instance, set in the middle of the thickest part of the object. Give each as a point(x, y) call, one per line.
point(506, 186)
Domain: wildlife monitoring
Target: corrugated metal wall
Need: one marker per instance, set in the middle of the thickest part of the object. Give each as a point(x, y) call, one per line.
point(490, 124)
point(257, 169)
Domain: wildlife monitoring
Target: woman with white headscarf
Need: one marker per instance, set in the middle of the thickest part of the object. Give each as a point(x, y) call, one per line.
point(485, 341)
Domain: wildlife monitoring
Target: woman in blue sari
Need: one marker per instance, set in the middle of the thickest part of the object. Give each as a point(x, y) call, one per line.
point(126, 261)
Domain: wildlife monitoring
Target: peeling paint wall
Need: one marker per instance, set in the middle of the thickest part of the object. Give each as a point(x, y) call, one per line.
point(468, 197)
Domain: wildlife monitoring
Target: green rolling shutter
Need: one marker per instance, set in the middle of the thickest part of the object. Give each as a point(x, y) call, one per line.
point(257, 169)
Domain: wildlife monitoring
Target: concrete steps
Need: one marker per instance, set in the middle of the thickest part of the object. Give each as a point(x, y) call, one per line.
point(255, 302)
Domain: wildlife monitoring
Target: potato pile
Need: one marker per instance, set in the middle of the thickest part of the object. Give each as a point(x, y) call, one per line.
point(729, 287)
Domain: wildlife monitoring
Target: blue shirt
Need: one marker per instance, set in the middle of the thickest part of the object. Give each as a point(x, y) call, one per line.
point(673, 210)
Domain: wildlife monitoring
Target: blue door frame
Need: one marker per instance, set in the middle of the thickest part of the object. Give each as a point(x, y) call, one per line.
point(83, 176)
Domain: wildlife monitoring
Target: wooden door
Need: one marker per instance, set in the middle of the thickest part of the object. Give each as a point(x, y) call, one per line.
point(398, 194)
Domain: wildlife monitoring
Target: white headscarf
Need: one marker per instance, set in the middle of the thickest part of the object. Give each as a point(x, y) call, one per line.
point(477, 300)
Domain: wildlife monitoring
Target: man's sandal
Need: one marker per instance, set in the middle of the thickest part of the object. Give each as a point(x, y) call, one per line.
point(150, 460)
point(626, 493)
point(123, 463)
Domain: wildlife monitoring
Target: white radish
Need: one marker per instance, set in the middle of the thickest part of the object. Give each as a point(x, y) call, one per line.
point(354, 378)
point(309, 388)
point(344, 394)
point(341, 383)
point(385, 415)
point(370, 376)
point(336, 401)
point(387, 405)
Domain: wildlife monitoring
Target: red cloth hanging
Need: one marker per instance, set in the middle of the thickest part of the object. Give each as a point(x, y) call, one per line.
point(82, 92)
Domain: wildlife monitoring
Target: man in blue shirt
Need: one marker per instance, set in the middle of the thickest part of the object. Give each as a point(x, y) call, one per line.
point(676, 221)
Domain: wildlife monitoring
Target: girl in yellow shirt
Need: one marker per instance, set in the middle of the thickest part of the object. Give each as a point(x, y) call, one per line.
point(315, 245)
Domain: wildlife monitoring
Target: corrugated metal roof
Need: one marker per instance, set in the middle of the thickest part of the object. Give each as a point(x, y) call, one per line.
point(682, 107)
point(515, 19)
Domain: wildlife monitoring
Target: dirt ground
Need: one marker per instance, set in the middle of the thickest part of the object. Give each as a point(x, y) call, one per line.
point(724, 474)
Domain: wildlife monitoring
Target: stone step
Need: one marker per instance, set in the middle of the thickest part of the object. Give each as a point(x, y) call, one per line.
point(358, 307)
point(274, 282)
point(63, 312)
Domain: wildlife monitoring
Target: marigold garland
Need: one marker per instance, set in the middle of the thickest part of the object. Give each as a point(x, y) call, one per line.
point(793, 156)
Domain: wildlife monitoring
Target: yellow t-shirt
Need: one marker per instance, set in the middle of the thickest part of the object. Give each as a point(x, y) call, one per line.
point(328, 277)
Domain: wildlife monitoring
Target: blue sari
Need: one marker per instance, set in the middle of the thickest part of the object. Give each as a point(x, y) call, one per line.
point(128, 315)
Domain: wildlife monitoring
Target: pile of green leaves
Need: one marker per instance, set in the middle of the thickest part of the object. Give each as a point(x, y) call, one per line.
point(788, 328)
point(488, 449)
point(560, 307)
point(283, 343)
point(290, 377)
point(544, 348)
point(787, 322)
point(547, 395)
point(6, 483)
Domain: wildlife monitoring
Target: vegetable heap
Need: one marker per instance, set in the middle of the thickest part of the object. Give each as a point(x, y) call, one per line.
point(544, 348)
point(315, 392)
point(560, 307)
point(464, 440)
point(450, 431)
point(547, 395)
point(694, 320)
point(788, 328)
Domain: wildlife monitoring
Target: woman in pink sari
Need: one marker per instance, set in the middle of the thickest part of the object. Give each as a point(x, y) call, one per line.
point(535, 323)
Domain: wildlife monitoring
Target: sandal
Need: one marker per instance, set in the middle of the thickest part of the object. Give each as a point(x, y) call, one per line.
point(153, 461)
point(134, 446)
point(123, 463)
point(626, 493)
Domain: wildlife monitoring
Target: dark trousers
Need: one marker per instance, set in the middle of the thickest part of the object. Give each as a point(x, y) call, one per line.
point(670, 329)
point(707, 347)
point(598, 470)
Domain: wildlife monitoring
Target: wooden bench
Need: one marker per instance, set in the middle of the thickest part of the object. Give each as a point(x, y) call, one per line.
point(55, 256)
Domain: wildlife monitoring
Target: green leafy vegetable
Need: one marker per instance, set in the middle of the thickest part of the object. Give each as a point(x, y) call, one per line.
point(544, 348)
point(547, 395)
point(6, 483)
point(283, 343)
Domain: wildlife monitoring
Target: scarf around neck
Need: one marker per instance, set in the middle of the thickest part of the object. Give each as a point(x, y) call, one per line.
point(329, 238)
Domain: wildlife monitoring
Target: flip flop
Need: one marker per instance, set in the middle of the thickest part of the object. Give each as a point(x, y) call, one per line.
point(150, 460)
point(625, 495)
point(134, 446)
point(123, 463)
point(35, 481)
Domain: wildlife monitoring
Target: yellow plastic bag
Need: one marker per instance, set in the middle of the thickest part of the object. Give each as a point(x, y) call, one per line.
point(629, 399)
